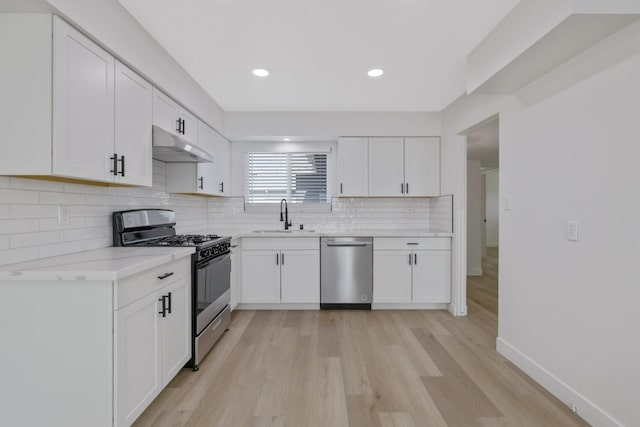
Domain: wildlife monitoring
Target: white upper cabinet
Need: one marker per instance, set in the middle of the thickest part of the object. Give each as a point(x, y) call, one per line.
point(223, 164)
point(170, 116)
point(197, 178)
point(83, 106)
point(404, 167)
point(166, 113)
point(190, 128)
point(133, 127)
point(422, 166)
point(353, 167)
point(70, 109)
point(386, 167)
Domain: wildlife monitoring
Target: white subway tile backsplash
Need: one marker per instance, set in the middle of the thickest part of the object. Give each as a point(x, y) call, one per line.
point(22, 240)
point(18, 196)
point(85, 233)
point(55, 198)
point(11, 226)
point(33, 211)
point(29, 226)
point(60, 249)
point(52, 224)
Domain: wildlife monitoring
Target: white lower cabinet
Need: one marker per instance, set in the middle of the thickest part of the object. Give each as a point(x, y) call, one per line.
point(410, 270)
point(391, 276)
point(278, 270)
point(139, 374)
point(261, 276)
point(152, 341)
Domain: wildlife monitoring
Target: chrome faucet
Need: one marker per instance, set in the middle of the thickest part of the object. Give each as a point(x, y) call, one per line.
point(287, 223)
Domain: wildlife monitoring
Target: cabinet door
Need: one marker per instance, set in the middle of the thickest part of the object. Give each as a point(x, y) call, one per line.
point(138, 373)
point(432, 277)
point(300, 276)
point(223, 164)
point(207, 178)
point(260, 276)
point(207, 173)
point(165, 112)
point(353, 167)
point(134, 112)
point(83, 106)
point(422, 166)
point(176, 328)
point(189, 126)
point(392, 276)
point(386, 167)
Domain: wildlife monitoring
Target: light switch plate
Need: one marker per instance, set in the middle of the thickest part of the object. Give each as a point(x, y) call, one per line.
point(506, 203)
point(571, 231)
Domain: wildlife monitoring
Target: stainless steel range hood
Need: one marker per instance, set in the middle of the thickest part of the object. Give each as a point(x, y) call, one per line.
point(170, 148)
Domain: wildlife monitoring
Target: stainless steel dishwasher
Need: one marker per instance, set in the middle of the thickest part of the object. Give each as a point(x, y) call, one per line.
point(346, 272)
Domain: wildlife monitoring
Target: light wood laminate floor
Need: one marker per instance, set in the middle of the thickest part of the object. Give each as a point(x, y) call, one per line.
point(351, 368)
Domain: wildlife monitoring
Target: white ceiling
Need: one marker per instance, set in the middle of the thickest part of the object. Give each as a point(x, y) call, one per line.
point(483, 144)
point(318, 52)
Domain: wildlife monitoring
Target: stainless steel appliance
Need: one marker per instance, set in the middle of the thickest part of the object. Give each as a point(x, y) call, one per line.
point(211, 270)
point(346, 272)
point(170, 148)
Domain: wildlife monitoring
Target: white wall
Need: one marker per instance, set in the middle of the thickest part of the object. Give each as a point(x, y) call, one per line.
point(111, 25)
point(492, 203)
point(326, 126)
point(567, 309)
point(474, 218)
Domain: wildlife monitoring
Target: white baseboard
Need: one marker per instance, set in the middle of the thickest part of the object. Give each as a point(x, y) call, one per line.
point(586, 409)
point(474, 271)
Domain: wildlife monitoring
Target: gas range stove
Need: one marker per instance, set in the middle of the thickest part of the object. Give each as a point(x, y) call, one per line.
point(156, 227)
point(210, 274)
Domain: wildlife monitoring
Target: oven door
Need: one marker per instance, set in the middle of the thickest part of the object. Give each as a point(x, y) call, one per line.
point(212, 289)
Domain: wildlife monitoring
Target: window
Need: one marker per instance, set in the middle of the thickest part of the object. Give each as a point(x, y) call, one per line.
point(300, 178)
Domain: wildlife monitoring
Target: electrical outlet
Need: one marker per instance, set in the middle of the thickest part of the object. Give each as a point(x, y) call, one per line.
point(63, 215)
point(571, 231)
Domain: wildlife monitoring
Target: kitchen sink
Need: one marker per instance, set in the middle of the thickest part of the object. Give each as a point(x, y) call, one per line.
point(284, 231)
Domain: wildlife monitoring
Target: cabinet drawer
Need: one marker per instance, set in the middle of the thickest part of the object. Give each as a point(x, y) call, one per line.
point(280, 243)
point(412, 243)
point(142, 284)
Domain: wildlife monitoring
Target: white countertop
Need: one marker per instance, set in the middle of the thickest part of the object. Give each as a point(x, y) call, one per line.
point(352, 233)
point(98, 264)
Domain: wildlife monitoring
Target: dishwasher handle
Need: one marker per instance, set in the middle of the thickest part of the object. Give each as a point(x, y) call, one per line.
point(348, 244)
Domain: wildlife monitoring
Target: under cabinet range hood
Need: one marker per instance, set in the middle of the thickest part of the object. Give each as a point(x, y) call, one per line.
point(170, 148)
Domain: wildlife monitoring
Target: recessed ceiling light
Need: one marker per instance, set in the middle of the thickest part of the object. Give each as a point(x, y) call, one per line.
point(376, 72)
point(260, 72)
point(286, 139)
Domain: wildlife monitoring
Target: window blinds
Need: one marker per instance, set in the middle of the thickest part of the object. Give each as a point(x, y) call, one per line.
point(296, 177)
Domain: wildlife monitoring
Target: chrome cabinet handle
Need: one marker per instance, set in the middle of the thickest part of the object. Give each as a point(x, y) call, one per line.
point(277, 259)
point(410, 259)
point(415, 259)
point(169, 305)
point(164, 276)
point(282, 259)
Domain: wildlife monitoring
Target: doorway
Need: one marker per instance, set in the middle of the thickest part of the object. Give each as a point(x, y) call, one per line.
point(483, 171)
